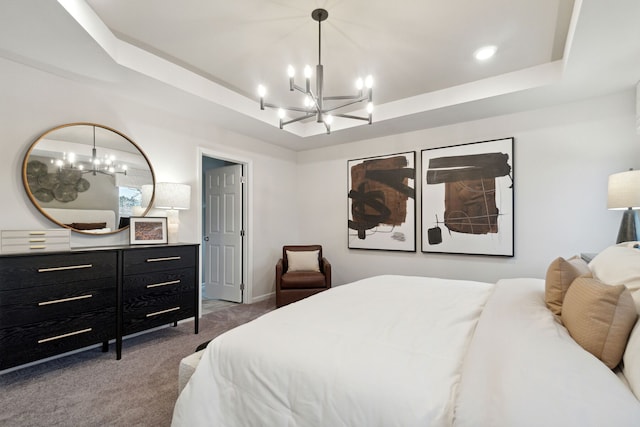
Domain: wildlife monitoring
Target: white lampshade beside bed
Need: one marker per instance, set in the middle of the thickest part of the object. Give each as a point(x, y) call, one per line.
point(172, 197)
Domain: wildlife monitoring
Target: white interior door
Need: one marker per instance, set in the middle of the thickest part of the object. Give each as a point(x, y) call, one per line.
point(223, 233)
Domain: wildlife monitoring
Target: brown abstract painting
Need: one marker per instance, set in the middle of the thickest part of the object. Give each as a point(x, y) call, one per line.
point(468, 189)
point(381, 199)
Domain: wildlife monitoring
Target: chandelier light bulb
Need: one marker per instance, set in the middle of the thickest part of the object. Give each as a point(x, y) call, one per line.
point(368, 81)
point(291, 72)
point(307, 72)
point(307, 101)
point(59, 163)
point(71, 157)
point(328, 119)
point(370, 107)
point(81, 167)
point(262, 91)
point(359, 83)
point(281, 113)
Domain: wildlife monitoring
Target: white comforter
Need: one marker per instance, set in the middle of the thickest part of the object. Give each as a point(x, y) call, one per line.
point(524, 369)
point(385, 351)
point(406, 351)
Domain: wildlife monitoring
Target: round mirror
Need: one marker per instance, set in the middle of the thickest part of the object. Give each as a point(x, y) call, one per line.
point(87, 177)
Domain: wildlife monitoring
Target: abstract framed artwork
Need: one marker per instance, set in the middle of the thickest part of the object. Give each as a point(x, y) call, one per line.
point(147, 230)
point(382, 202)
point(468, 199)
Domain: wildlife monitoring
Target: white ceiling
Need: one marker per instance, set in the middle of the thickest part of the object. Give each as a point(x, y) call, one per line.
point(205, 58)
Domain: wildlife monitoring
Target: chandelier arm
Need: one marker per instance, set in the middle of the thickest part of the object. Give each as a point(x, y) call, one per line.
point(299, 88)
point(349, 116)
point(297, 119)
point(337, 107)
point(298, 109)
point(340, 97)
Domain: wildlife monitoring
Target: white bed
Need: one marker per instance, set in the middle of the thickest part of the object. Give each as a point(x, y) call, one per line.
point(69, 216)
point(406, 351)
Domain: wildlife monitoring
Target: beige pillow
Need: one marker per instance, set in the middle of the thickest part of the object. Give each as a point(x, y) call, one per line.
point(599, 317)
point(560, 274)
point(303, 260)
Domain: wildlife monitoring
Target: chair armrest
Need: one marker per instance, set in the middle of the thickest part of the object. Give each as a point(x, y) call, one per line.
point(279, 272)
point(326, 269)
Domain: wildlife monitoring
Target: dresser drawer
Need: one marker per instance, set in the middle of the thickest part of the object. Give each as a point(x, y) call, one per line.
point(40, 270)
point(158, 298)
point(26, 343)
point(30, 305)
point(141, 313)
point(159, 283)
point(158, 259)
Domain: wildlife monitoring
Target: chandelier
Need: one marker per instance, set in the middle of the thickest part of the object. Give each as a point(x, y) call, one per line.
point(324, 108)
point(104, 165)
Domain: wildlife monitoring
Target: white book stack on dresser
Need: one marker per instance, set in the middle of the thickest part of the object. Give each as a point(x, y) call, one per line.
point(31, 241)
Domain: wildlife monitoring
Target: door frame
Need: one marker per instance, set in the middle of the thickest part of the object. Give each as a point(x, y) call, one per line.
point(247, 217)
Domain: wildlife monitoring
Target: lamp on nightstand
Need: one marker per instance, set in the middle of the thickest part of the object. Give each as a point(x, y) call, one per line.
point(172, 197)
point(624, 193)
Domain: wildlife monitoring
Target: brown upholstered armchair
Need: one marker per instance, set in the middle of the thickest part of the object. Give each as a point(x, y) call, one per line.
point(301, 273)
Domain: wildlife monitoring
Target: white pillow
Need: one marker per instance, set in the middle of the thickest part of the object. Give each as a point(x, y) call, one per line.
point(631, 360)
point(619, 265)
point(303, 260)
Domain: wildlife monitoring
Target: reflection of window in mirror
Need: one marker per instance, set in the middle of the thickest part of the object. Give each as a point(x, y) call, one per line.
point(130, 199)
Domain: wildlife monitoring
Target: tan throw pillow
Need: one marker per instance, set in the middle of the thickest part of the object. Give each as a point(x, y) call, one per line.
point(560, 274)
point(303, 260)
point(599, 317)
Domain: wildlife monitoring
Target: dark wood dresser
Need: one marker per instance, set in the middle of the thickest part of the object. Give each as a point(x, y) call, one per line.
point(62, 301)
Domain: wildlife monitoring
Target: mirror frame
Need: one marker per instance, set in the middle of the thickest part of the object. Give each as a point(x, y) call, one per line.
point(54, 220)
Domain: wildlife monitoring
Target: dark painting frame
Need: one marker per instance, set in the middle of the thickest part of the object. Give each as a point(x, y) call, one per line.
point(381, 202)
point(467, 204)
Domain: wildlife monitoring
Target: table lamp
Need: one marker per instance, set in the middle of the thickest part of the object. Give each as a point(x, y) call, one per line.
point(172, 197)
point(624, 193)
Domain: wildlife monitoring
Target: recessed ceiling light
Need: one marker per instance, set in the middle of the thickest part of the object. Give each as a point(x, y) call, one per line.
point(485, 52)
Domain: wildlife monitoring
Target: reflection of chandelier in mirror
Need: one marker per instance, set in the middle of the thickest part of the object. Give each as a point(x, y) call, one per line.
point(96, 165)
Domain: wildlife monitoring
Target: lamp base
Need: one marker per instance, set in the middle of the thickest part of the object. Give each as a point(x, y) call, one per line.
point(173, 225)
point(629, 227)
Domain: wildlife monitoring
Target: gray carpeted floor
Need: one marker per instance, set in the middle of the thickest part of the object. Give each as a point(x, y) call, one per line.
point(92, 388)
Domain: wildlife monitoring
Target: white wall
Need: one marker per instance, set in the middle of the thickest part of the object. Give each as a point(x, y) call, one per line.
point(33, 102)
point(562, 158)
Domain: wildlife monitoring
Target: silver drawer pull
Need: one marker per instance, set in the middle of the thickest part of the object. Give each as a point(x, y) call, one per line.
point(37, 240)
point(155, 285)
point(169, 258)
point(38, 247)
point(70, 334)
point(163, 311)
point(68, 267)
point(65, 300)
point(37, 233)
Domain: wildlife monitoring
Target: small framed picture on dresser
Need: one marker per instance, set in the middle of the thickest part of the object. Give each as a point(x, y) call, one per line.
point(147, 230)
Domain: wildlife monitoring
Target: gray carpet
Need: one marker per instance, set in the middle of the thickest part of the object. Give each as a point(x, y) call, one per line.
point(92, 388)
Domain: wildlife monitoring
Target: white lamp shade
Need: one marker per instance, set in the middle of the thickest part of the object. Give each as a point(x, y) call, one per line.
point(624, 190)
point(172, 196)
point(147, 192)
